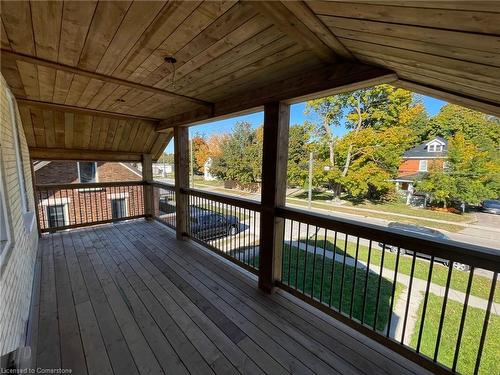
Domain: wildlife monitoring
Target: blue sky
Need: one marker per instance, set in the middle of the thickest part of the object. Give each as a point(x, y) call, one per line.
point(297, 116)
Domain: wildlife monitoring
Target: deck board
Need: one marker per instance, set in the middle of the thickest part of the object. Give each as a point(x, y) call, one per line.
point(130, 298)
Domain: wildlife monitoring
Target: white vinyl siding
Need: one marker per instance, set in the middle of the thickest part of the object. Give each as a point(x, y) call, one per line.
point(19, 157)
point(5, 237)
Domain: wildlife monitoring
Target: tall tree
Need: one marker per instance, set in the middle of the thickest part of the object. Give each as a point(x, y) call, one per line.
point(377, 107)
point(201, 152)
point(452, 119)
point(298, 153)
point(241, 155)
point(376, 158)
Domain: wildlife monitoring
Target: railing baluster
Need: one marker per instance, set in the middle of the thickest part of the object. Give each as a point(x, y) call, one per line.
point(393, 291)
point(305, 260)
point(485, 324)
point(462, 320)
point(343, 272)
point(408, 298)
point(333, 269)
point(297, 261)
point(424, 307)
point(290, 251)
point(365, 290)
point(314, 263)
point(443, 311)
point(323, 269)
point(354, 278)
point(377, 300)
point(254, 236)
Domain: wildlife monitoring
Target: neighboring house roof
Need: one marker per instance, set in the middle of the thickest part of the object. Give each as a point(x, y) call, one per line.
point(38, 164)
point(410, 177)
point(132, 168)
point(422, 151)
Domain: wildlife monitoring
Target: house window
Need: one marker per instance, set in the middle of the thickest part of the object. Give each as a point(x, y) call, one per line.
point(422, 166)
point(56, 216)
point(434, 148)
point(118, 208)
point(87, 172)
point(18, 153)
point(4, 222)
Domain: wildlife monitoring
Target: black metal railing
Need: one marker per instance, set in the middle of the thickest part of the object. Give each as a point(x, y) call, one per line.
point(65, 206)
point(164, 203)
point(226, 225)
point(421, 297)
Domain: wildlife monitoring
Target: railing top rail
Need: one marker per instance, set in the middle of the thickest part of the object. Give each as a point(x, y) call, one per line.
point(162, 184)
point(240, 202)
point(472, 255)
point(90, 185)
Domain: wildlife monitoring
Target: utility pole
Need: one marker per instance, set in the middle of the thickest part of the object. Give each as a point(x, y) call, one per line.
point(164, 167)
point(309, 195)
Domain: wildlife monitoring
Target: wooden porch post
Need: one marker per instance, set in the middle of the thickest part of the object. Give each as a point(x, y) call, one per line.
point(181, 161)
point(274, 165)
point(147, 175)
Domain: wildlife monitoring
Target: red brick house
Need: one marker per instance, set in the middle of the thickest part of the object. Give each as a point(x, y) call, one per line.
point(418, 161)
point(62, 207)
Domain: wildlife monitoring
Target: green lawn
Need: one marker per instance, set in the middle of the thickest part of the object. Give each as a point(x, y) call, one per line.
point(293, 275)
point(480, 286)
point(490, 361)
point(384, 216)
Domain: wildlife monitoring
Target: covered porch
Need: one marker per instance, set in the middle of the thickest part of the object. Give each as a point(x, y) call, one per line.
point(117, 81)
point(129, 298)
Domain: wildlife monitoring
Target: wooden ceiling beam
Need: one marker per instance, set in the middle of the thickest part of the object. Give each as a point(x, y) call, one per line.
point(316, 25)
point(105, 78)
point(83, 155)
point(288, 23)
point(84, 111)
point(317, 83)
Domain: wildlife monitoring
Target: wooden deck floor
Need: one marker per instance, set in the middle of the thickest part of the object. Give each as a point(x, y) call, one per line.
point(130, 299)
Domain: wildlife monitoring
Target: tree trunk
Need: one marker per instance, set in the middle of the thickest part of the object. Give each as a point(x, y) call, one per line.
point(349, 151)
point(332, 152)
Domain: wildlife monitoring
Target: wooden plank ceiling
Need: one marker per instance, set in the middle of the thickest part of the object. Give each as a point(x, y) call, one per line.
point(102, 64)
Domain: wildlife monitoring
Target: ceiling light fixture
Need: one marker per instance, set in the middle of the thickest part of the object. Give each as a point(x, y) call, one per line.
point(171, 60)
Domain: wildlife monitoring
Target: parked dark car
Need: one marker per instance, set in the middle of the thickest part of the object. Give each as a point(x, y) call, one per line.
point(491, 206)
point(205, 224)
point(431, 233)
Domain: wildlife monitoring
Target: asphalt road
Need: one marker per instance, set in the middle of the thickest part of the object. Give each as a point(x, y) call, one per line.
point(476, 236)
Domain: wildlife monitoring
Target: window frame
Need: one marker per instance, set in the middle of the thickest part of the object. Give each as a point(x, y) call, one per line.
point(65, 218)
point(420, 163)
point(79, 175)
point(125, 200)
